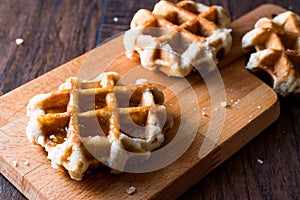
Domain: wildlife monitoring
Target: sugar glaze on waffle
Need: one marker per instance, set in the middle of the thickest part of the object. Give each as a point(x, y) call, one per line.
point(86, 124)
point(277, 42)
point(175, 38)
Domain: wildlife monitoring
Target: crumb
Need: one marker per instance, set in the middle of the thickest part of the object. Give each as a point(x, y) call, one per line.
point(115, 19)
point(260, 161)
point(15, 163)
point(216, 109)
point(26, 163)
point(141, 81)
point(259, 107)
point(224, 104)
point(19, 41)
point(237, 102)
point(203, 112)
point(131, 190)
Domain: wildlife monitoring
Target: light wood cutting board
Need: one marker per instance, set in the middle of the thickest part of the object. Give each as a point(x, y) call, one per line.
point(256, 109)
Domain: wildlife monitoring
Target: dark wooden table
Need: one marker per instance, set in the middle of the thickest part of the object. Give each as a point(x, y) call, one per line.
point(55, 31)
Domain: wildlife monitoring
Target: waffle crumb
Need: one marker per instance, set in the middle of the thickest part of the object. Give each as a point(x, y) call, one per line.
point(203, 112)
point(15, 163)
point(115, 19)
point(26, 163)
point(131, 190)
point(224, 104)
point(260, 161)
point(19, 41)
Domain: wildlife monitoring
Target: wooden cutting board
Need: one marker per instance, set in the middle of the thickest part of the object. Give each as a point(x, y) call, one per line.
point(254, 106)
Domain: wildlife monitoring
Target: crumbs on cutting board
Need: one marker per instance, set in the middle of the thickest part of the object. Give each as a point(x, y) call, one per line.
point(203, 112)
point(15, 163)
point(26, 163)
point(224, 104)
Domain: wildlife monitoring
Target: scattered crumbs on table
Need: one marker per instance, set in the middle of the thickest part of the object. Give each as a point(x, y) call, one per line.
point(115, 19)
point(131, 190)
point(260, 161)
point(15, 163)
point(19, 41)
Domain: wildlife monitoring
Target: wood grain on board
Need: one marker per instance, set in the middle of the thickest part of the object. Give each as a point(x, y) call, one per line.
point(257, 108)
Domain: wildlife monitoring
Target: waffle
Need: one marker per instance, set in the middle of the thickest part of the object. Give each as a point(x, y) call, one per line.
point(86, 123)
point(277, 44)
point(175, 38)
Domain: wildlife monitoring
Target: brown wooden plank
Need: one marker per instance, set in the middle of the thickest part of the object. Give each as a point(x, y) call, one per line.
point(71, 31)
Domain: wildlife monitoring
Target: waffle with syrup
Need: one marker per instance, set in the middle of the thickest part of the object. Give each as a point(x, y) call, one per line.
point(175, 38)
point(277, 45)
point(86, 124)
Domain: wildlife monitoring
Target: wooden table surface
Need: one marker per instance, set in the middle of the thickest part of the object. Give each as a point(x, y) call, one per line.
point(55, 31)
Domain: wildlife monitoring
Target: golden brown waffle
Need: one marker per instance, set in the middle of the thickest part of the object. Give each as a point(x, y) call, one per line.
point(174, 38)
point(277, 42)
point(85, 122)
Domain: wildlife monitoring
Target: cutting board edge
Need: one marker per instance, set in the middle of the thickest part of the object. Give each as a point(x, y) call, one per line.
point(169, 192)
